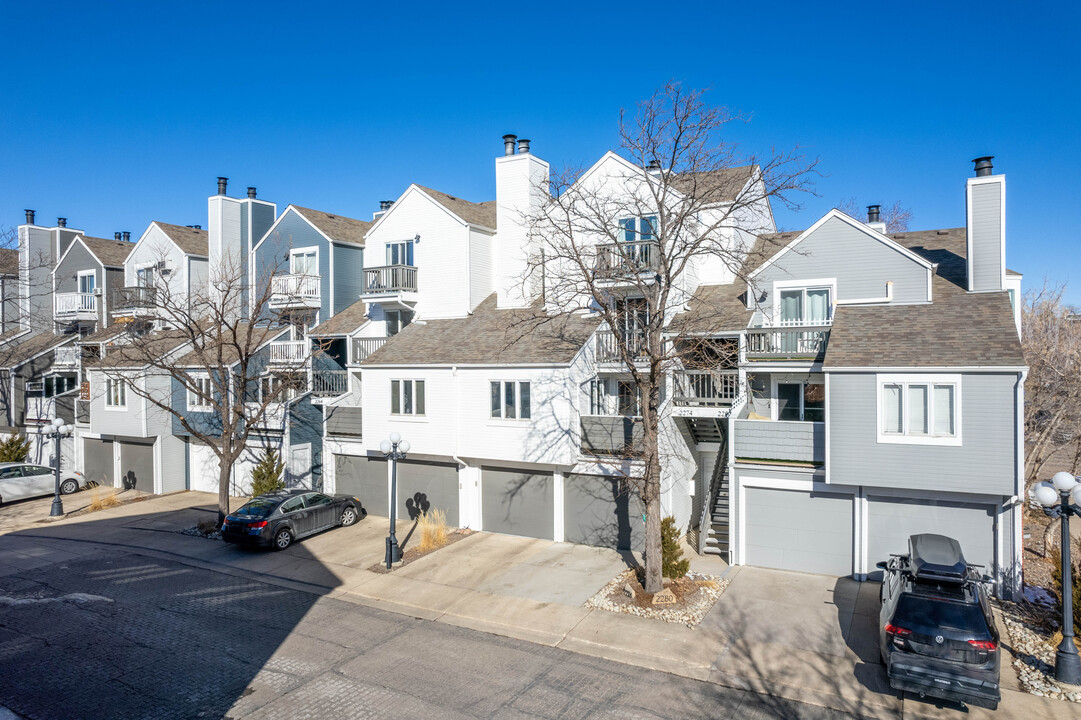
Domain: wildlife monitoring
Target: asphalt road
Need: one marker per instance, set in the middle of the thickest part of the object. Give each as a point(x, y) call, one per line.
point(110, 634)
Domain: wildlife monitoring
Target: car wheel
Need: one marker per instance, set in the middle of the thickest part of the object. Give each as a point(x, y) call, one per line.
point(283, 539)
point(68, 487)
point(349, 516)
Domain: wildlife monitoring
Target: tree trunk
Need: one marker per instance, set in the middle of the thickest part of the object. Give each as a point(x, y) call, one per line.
point(225, 472)
point(653, 582)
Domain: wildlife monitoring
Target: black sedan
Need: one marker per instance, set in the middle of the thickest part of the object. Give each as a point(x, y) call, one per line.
point(277, 519)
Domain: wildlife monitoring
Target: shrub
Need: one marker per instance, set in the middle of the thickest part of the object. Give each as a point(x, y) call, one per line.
point(433, 529)
point(673, 564)
point(103, 497)
point(267, 476)
point(15, 449)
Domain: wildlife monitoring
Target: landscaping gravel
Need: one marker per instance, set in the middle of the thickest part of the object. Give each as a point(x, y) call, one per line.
point(1034, 655)
point(612, 598)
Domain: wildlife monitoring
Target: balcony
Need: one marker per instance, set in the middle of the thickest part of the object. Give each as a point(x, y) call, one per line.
point(362, 347)
point(786, 442)
point(611, 435)
point(705, 388)
point(627, 259)
point(390, 281)
point(289, 352)
point(607, 346)
point(288, 292)
point(75, 306)
point(66, 356)
point(806, 343)
point(135, 300)
point(330, 383)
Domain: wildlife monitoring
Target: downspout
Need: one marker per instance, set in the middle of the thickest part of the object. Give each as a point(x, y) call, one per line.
point(457, 419)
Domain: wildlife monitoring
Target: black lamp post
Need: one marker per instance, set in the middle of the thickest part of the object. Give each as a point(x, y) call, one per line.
point(1056, 500)
point(58, 430)
point(395, 449)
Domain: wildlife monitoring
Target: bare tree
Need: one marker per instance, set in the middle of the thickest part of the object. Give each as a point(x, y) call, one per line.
point(623, 248)
point(895, 216)
point(212, 345)
point(1051, 340)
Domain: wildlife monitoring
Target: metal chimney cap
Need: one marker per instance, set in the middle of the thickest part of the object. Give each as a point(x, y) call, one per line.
point(251, 192)
point(873, 213)
point(984, 166)
point(117, 235)
point(508, 143)
point(127, 236)
point(29, 216)
point(523, 147)
point(61, 222)
point(223, 182)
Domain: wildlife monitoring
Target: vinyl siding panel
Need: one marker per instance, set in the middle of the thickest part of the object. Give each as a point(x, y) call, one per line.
point(481, 266)
point(348, 275)
point(986, 236)
point(306, 426)
point(781, 440)
point(861, 265)
point(985, 463)
point(272, 255)
point(345, 421)
point(66, 277)
point(110, 421)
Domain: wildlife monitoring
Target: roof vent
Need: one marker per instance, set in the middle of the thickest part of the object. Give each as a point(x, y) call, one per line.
point(29, 217)
point(508, 144)
point(117, 235)
point(983, 165)
point(523, 147)
point(251, 193)
point(61, 222)
point(223, 182)
point(127, 236)
point(873, 213)
point(384, 205)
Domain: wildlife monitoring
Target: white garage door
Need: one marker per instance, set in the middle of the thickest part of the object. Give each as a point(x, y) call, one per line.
point(891, 520)
point(796, 530)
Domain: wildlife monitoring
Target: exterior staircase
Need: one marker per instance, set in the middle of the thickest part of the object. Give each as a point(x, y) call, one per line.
point(717, 539)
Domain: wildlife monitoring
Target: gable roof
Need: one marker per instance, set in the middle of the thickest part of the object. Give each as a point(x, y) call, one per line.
point(15, 354)
point(111, 253)
point(726, 183)
point(336, 227)
point(483, 214)
point(191, 241)
point(9, 261)
point(343, 323)
point(522, 336)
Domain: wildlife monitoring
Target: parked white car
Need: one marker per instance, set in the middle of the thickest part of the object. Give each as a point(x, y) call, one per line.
point(23, 480)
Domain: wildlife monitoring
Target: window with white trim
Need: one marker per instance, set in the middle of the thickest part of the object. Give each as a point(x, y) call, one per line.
point(638, 229)
point(614, 398)
point(87, 281)
point(510, 400)
point(304, 262)
point(406, 397)
point(919, 408)
point(400, 253)
point(804, 306)
point(116, 393)
point(397, 320)
point(200, 392)
point(804, 401)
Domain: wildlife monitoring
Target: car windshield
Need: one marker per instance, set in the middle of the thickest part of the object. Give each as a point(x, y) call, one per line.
point(259, 507)
point(927, 614)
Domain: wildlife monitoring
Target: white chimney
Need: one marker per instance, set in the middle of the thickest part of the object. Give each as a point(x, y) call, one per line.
point(521, 186)
point(985, 200)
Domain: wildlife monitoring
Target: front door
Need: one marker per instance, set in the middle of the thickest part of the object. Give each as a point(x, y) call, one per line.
point(300, 465)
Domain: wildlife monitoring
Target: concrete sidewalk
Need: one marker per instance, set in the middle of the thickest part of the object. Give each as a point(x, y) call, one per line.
point(801, 637)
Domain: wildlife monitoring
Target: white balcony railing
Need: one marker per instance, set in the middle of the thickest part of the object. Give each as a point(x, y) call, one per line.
point(294, 291)
point(608, 350)
point(365, 346)
point(390, 279)
point(75, 305)
point(706, 388)
point(627, 259)
point(289, 352)
point(330, 383)
point(787, 343)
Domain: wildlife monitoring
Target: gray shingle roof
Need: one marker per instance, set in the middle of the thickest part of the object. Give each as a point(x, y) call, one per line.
point(192, 241)
point(336, 227)
point(489, 335)
point(9, 261)
point(344, 322)
point(482, 214)
point(722, 185)
point(16, 353)
point(111, 253)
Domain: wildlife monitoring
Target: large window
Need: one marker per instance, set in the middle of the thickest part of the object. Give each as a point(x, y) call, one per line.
point(919, 409)
point(801, 401)
point(804, 306)
point(304, 262)
point(407, 397)
point(87, 281)
point(144, 276)
point(510, 400)
point(200, 393)
point(116, 393)
point(400, 253)
point(608, 396)
point(397, 320)
point(638, 229)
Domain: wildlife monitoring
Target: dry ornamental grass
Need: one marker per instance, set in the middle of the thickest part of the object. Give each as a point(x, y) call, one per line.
point(433, 530)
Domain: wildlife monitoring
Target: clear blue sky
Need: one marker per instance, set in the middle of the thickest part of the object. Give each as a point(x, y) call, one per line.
point(118, 114)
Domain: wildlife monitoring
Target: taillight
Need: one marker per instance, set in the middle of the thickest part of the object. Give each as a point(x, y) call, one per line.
point(897, 630)
point(261, 524)
point(983, 644)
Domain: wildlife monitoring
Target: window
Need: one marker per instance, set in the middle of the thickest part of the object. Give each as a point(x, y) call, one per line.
point(407, 397)
point(397, 321)
point(805, 306)
point(200, 392)
point(304, 262)
point(293, 504)
point(281, 387)
point(87, 281)
point(400, 253)
point(919, 409)
point(316, 500)
point(116, 394)
point(144, 277)
point(640, 229)
point(612, 397)
point(801, 401)
point(510, 400)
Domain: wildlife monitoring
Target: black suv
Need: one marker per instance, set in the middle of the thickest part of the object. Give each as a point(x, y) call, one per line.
point(277, 519)
point(938, 636)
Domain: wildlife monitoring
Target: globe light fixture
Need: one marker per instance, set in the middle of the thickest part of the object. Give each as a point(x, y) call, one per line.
point(1062, 498)
point(58, 429)
point(394, 449)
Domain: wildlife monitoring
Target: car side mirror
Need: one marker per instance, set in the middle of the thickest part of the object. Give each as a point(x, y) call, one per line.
point(882, 565)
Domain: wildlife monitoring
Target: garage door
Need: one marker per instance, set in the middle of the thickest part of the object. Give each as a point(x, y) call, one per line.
point(366, 478)
point(518, 502)
point(600, 511)
point(137, 466)
point(891, 520)
point(796, 530)
point(98, 461)
point(428, 484)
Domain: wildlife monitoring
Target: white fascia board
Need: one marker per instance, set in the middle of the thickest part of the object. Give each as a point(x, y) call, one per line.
point(414, 189)
point(835, 213)
point(935, 369)
point(464, 366)
point(279, 219)
point(46, 351)
point(78, 239)
point(151, 226)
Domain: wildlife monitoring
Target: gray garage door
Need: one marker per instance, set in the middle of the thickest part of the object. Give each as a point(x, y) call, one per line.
point(98, 461)
point(891, 520)
point(366, 478)
point(601, 511)
point(137, 466)
point(518, 502)
point(428, 484)
point(795, 530)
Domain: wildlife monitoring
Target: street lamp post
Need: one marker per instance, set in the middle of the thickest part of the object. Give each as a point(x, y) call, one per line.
point(395, 449)
point(1061, 499)
point(58, 429)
